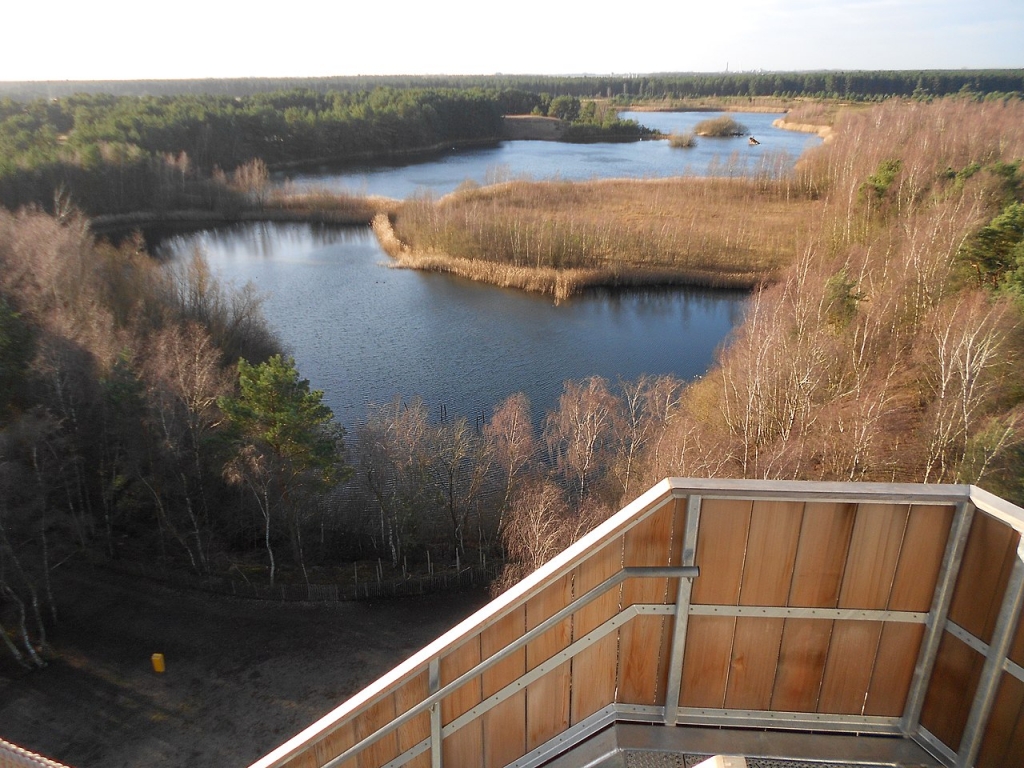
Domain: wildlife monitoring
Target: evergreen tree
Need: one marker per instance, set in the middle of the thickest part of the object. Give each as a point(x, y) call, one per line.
point(286, 446)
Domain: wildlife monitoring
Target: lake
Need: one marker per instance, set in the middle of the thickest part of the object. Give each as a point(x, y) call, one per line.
point(365, 333)
point(541, 160)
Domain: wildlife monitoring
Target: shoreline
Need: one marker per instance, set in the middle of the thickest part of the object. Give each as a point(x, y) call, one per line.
point(187, 219)
point(824, 132)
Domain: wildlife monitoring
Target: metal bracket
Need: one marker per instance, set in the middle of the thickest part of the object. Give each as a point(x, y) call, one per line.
point(936, 622)
point(988, 686)
point(675, 669)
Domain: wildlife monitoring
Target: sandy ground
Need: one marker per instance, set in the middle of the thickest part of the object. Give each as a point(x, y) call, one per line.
point(242, 676)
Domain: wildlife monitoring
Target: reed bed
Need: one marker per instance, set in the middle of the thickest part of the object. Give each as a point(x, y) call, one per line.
point(682, 140)
point(323, 202)
point(720, 126)
point(567, 237)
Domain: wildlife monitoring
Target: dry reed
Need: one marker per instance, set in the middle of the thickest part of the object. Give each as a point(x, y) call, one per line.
point(735, 232)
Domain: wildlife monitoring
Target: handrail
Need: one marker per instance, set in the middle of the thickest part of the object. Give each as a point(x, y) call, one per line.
point(681, 572)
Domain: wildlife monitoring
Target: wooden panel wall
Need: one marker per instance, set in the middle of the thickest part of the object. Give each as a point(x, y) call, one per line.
point(547, 699)
point(504, 725)
point(811, 555)
point(1003, 743)
point(988, 558)
point(594, 670)
point(465, 746)
point(721, 547)
point(644, 642)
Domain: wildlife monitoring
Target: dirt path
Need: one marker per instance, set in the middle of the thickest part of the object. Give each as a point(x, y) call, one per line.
point(242, 676)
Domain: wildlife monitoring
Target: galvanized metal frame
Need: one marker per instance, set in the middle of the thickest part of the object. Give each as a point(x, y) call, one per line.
point(991, 673)
point(972, 642)
point(980, 646)
point(433, 686)
point(678, 650)
point(555, 662)
point(568, 738)
point(756, 718)
point(930, 741)
point(831, 614)
point(937, 615)
point(432, 701)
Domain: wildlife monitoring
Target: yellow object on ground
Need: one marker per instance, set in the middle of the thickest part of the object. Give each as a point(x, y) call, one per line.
point(158, 662)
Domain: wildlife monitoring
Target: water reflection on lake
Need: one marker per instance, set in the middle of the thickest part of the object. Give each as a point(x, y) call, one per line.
point(363, 332)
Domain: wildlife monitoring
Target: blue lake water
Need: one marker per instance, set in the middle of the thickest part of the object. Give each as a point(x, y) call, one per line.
point(365, 333)
point(540, 160)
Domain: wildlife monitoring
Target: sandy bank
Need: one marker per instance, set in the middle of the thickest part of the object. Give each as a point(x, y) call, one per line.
point(824, 131)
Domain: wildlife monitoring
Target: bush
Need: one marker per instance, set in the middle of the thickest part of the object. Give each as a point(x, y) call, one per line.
point(719, 126)
point(682, 140)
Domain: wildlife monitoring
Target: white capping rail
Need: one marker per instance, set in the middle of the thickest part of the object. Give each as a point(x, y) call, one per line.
point(665, 492)
point(13, 756)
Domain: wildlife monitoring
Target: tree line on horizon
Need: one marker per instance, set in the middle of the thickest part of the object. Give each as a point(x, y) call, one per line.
point(859, 85)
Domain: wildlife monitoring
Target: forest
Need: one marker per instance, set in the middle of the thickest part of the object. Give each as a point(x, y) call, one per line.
point(108, 154)
point(148, 413)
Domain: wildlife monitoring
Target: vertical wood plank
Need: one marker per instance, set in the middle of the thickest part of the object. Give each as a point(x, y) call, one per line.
point(370, 720)
point(465, 746)
point(771, 551)
point(767, 574)
point(412, 733)
point(595, 669)
point(951, 690)
point(825, 533)
point(1014, 754)
point(989, 556)
point(755, 656)
point(721, 546)
point(924, 546)
point(873, 555)
point(650, 544)
point(504, 725)
point(848, 668)
point(706, 661)
point(547, 699)
point(1016, 652)
point(305, 759)
point(642, 641)
point(894, 669)
point(1006, 721)
point(801, 665)
point(821, 556)
point(332, 745)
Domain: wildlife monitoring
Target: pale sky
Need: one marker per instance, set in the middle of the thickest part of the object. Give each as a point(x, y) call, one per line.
point(129, 39)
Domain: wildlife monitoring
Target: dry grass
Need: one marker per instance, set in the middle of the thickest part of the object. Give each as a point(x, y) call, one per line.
point(561, 238)
point(326, 204)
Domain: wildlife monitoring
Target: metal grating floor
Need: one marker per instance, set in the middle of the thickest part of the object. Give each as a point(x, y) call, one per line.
point(648, 759)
